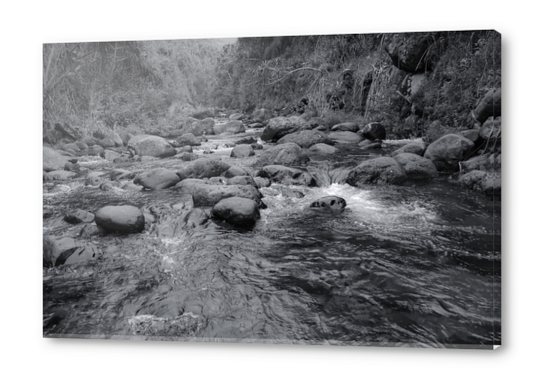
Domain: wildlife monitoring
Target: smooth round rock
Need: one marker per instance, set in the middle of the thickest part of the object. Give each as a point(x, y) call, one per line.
point(237, 211)
point(330, 202)
point(120, 218)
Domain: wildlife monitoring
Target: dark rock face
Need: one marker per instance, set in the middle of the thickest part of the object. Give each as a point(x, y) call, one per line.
point(120, 218)
point(416, 167)
point(237, 211)
point(305, 138)
point(278, 127)
point(154, 146)
point(413, 52)
point(383, 170)
point(417, 148)
point(330, 202)
point(157, 179)
point(344, 137)
point(52, 160)
point(285, 154)
point(345, 127)
point(489, 106)
point(229, 127)
point(374, 131)
point(202, 168)
point(65, 250)
point(79, 216)
point(242, 151)
point(287, 175)
point(448, 151)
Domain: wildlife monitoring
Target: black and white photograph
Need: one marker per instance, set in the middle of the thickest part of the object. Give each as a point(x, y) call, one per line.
point(325, 189)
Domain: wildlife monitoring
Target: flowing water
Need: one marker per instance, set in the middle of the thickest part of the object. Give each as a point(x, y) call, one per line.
point(414, 265)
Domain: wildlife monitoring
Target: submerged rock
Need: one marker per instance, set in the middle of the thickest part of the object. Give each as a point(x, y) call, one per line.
point(157, 179)
point(64, 250)
point(237, 211)
point(120, 218)
point(382, 170)
point(331, 202)
point(195, 217)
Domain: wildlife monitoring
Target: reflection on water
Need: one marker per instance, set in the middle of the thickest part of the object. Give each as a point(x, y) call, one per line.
point(411, 265)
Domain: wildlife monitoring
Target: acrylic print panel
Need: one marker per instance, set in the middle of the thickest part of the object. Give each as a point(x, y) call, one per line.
point(322, 189)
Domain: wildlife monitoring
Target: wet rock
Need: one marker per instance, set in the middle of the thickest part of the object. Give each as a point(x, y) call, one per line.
point(448, 151)
point(323, 149)
point(416, 167)
point(209, 194)
point(245, 141)
point(74, 167)
point(188, 139)
point(344, 137)
point(476, 163)
point(417, 148)
point(95, 150)
point(154, 146)
point(203, 168)
point(262, 182)
point(481, 181)
point(58, 175)
point(94, 178)
point(287, 175)
point(188, 157)
point(53, 160)
point(237, 211)
point(120, 174)
point(345, 127)
point(110, 155)
point(374, 131)
point(278, 127)
point(229, 127)
point(185, 149)
point(330, 202)
point(120, 218)
point(91, 230)
point(256, 146)
point(368, 145)
point(236, 116)
point(241, 181)
point(132, 187)
point(106, 186)
point(235, 171)
point(285, 154)
point(64, 250)
point(382, 170)
point(157, 179)
point(242, 151)
point(306, 138)
point(195, 218)
point(489, 106)
point(79, 216)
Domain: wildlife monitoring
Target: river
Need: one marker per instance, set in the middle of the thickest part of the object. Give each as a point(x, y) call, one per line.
point(414, 265)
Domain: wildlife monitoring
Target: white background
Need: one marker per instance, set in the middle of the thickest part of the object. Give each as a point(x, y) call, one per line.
point(26, 25)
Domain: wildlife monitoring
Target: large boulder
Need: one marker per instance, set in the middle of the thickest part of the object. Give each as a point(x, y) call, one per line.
point(417, 148)
point(154, 146)
point(329, 202)
point(237, 211)
point(417, 167)
point(344, 137)
point(374, 131)
point(157, 179)
point(287, 175)
point(382, 170)
point(289, 154)
point(53, 160)
point(120, 218)
point(64, 250)
point(229, 127)
point(278, 127)
point(208, 194)
point(306, 138)
point(489, 106)
point(202, 168)
point(242, 151)
point(482, 181)
point(448, 151)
